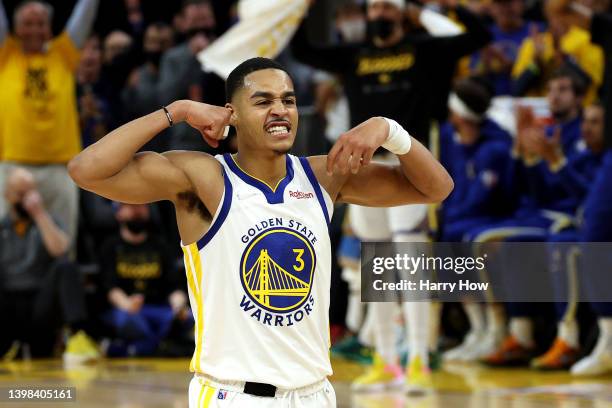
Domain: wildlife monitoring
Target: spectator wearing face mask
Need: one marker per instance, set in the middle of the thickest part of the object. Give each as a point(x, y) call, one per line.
point(141, 282)
point(388, 73)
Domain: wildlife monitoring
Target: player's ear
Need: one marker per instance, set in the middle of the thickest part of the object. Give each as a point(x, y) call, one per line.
point(234, 115)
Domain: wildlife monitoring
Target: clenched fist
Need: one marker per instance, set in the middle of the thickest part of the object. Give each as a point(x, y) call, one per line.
point(356, 147)
point(210, 120)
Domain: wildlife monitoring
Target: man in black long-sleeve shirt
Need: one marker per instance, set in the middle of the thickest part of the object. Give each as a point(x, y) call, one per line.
point(391, 73)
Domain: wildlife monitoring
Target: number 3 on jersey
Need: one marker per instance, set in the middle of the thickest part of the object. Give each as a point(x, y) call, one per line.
point(298, 258)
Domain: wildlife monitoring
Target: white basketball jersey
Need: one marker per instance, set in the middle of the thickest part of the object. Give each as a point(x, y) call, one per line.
point(259, 280)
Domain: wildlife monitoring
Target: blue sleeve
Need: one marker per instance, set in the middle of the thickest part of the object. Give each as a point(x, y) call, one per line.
point(452, 159)
point(541, 183)
point(491, 164)
point(547, 187)
point(576, 179)
point(81, 20)
point(515, 178)
point(446, 145)
point(573, 179)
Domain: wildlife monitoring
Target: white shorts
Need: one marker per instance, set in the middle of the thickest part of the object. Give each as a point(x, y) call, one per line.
point(205, 392)
point(383, 224)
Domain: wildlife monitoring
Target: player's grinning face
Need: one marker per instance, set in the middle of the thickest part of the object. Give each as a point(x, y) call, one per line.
point(265, 111)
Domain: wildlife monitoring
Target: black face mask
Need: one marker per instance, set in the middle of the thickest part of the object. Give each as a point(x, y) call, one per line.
point(21, 212)
point(380, 28)
point(153, 57)
point(137, 226)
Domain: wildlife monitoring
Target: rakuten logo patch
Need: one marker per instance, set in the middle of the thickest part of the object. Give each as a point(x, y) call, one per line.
point(300, 194)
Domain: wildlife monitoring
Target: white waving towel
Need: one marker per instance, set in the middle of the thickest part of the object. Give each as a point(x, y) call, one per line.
point(264, 29)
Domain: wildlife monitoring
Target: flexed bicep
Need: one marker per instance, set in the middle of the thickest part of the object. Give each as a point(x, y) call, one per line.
point(147, 178)
point(380, 185)
point(111, 167)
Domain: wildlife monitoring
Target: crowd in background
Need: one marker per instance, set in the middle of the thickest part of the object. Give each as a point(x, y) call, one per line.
point(113, 272)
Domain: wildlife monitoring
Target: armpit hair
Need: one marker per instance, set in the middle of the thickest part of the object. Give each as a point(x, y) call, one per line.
point(193, 203)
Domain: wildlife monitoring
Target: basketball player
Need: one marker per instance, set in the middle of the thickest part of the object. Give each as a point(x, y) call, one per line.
point(259, 273)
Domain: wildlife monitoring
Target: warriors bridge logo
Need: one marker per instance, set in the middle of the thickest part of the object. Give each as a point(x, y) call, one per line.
point(277, 271)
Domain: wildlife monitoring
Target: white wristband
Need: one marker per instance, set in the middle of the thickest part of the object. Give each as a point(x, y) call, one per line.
point(399, 140)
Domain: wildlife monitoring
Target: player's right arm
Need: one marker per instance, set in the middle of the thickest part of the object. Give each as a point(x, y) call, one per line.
point(112, 167)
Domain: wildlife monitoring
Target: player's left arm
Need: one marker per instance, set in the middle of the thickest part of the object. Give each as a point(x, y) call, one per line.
point(348, 174)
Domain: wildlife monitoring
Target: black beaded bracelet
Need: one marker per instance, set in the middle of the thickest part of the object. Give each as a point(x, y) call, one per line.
point(170, 121)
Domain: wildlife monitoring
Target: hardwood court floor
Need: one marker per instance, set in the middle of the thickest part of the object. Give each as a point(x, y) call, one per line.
point(149, 383)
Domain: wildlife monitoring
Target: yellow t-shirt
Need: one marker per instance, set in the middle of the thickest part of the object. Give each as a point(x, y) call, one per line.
point(38, 118)
point(577, 43)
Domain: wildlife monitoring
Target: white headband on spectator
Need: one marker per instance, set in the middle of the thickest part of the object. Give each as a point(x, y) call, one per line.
point(456, 105)
point(401, 4)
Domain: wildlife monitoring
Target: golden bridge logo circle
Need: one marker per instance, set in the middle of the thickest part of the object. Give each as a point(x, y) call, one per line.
point(277, 269)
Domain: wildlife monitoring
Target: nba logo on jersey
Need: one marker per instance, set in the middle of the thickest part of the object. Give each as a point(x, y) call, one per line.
point(222, 394)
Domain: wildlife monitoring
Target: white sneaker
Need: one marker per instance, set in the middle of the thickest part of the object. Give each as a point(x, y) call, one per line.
point(471, 340)
point(597, 363)
point(486, 345)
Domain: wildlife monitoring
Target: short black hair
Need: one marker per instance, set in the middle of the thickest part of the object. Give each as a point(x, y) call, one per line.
point(235, 80)
point(578, 77)
point(474, 93)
